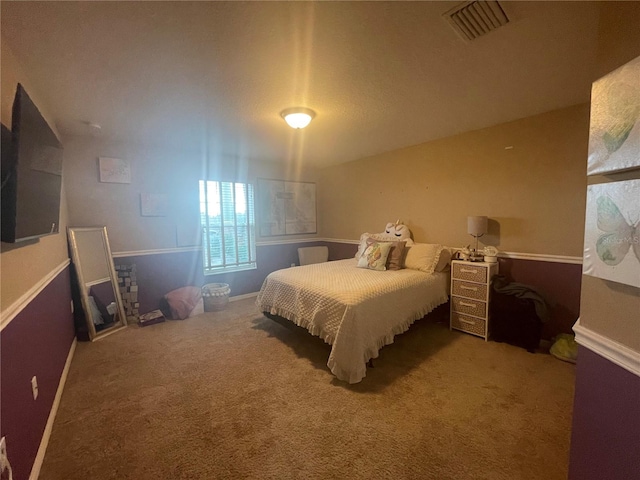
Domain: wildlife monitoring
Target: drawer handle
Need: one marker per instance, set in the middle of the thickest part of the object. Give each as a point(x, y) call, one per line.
point(473, 289)
point(469, 322)
point(468, 270)
point(465, 304)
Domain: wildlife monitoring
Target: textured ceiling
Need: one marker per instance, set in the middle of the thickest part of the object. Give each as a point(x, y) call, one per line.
point(380, 75)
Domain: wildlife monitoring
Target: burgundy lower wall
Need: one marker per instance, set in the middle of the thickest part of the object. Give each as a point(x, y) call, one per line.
point(36, 342)
point(559, 284)
point(605, 440)
point(158, 274)
point(341, 251)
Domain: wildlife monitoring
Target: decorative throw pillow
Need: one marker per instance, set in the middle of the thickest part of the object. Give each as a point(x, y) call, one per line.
point(183, 301)
point(381, 237)
point(423, 256)
point(374, 256)
point(395, 259)
point(362, 245)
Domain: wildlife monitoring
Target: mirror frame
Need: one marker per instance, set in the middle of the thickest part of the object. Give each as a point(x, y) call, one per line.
point(75, 258)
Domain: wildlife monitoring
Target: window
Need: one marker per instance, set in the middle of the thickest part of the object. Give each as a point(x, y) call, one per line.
point(228, 226)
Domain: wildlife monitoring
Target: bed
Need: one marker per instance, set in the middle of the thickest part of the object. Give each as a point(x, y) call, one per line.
point(355, 310)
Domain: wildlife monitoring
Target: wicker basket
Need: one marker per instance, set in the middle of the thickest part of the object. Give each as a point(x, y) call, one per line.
point(215, 296)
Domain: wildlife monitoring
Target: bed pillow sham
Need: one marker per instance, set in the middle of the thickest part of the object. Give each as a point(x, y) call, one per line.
point(395, 260)
point(374, 256)
point(445, 259)
point(423, 257)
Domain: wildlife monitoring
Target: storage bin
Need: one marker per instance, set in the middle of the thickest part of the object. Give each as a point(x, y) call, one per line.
point(215, 296)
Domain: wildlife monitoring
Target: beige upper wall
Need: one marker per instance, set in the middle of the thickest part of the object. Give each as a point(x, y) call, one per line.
point(534, 192)
point(156, 171)
point(25, 264)
point(618, 35)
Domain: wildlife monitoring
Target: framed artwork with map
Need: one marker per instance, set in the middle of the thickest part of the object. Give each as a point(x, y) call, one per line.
point(286, 208)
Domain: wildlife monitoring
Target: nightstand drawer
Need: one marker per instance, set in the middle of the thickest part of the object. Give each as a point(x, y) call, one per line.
point(469, 290)
point(476, 326)
point(469, 272)
point(469, 307)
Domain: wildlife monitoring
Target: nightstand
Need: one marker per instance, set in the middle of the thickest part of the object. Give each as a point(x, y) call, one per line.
point(470, 295)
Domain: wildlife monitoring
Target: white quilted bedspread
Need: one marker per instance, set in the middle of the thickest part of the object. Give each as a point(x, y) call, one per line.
point(356, 310)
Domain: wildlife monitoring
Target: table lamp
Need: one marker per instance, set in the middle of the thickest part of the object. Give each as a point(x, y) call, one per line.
point(476, 227)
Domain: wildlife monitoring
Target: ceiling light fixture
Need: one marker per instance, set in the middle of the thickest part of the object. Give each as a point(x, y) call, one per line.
point(298, 117)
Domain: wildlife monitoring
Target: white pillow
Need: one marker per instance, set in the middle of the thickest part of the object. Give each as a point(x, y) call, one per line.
point(423, 256)
point(374, 256)
point(445, 259)
point(362, 245)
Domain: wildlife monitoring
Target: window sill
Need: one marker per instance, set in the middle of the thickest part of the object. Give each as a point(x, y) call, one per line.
point(222, 270)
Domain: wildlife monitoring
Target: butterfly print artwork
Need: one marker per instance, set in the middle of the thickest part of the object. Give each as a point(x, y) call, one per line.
point(620, 237)
point(612, 232)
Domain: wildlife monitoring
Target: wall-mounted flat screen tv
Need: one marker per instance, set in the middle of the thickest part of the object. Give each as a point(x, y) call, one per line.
point(31, 174)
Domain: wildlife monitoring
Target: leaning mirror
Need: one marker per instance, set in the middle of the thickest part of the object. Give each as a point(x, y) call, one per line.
point(97, 280)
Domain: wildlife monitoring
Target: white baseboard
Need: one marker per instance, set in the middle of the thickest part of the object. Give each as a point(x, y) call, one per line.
point(42, 450)
point(615, 352)
point(242, 297)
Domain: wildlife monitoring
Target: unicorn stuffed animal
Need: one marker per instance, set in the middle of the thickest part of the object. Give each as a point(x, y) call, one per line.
point(393, 232)
point(399, 232)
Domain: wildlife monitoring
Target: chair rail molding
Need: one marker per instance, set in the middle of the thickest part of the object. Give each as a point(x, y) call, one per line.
point(613, 351)
point(12, 311)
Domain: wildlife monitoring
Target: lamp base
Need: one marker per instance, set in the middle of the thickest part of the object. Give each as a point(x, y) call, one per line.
point(475, 255)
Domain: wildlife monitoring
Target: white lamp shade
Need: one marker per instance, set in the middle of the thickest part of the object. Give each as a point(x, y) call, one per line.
point(298, 117)
point(477, 226)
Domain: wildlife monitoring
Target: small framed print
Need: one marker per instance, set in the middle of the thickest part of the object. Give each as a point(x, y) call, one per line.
point(114, 170)
point(154, 204)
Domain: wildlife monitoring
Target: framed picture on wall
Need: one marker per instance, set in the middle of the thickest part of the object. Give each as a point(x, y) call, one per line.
point(612, 232)
point(154, 204)
point(286, 208)
point(114, 170)
point(614, 132)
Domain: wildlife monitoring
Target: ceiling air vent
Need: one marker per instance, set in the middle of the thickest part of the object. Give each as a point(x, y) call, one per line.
point(476, 18)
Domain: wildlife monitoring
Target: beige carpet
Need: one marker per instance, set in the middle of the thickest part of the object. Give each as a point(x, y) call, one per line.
point(233, 395)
